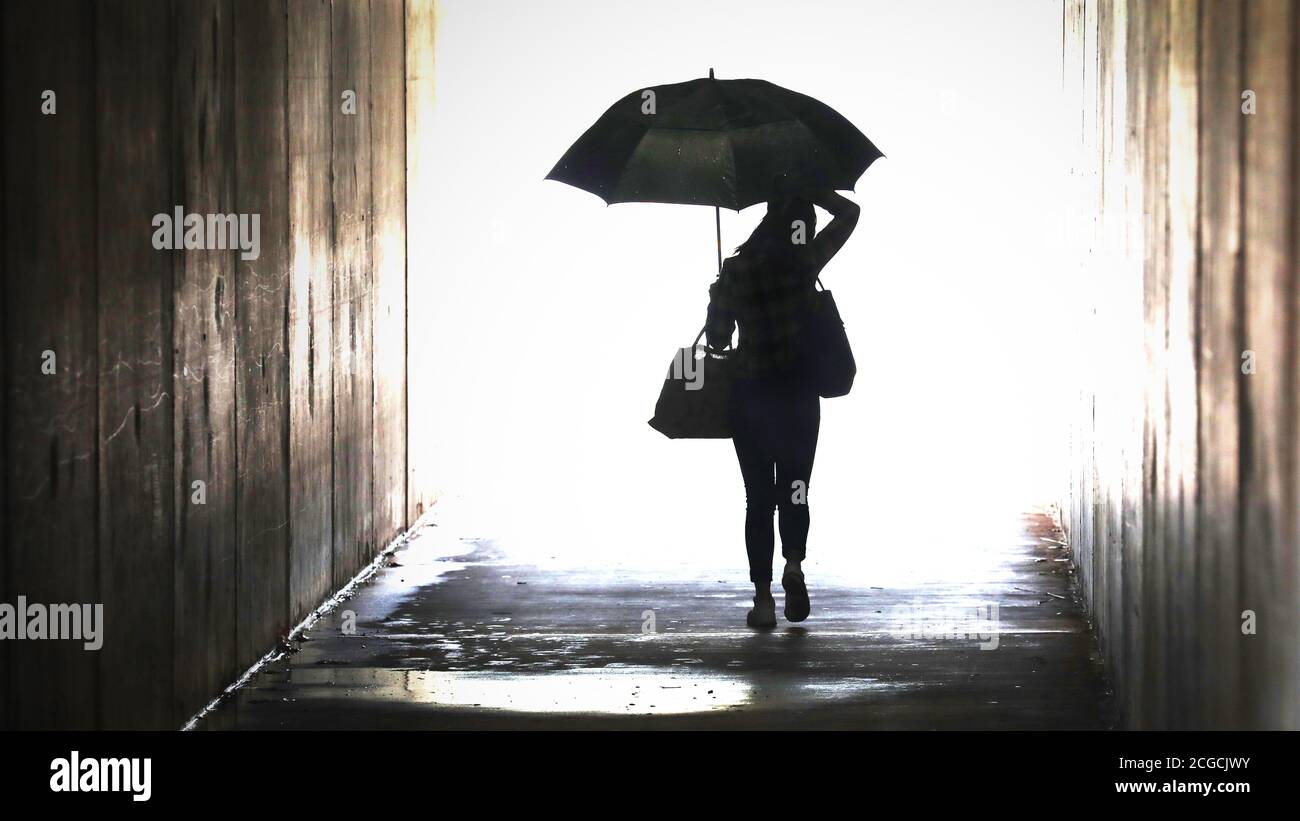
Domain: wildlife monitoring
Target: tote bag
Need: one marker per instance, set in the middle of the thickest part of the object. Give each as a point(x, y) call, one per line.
point(826, 346)
point(694, 402)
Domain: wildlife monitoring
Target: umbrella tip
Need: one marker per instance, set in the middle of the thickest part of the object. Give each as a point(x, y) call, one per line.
point(710, 72)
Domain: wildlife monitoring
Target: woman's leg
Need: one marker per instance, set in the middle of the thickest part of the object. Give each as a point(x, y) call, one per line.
point(794, 463)
point(802, 418)
point(757, 458)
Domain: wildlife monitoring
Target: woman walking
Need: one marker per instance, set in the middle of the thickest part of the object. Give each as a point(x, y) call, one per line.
point(767, 288)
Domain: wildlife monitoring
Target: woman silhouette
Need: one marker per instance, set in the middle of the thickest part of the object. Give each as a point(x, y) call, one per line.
point(766, 288)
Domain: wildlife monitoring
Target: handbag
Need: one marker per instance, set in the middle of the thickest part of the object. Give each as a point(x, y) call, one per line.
point(695, 400)
point(826, 344)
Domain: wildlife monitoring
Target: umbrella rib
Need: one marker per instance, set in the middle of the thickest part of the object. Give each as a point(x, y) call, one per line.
point(735, 181)
point(618, 181)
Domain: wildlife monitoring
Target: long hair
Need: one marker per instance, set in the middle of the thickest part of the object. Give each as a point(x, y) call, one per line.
point(773, 238)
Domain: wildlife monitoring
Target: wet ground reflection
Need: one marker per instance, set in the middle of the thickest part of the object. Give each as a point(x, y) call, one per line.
point(614, 689)
point(455, 633)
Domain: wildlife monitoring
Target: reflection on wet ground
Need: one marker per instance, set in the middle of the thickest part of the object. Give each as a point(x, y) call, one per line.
point(452, 634)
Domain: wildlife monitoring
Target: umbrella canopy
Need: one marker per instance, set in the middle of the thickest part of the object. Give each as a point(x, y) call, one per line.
point(714, 142)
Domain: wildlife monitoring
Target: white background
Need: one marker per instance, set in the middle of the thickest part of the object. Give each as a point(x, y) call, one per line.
point(549, 319)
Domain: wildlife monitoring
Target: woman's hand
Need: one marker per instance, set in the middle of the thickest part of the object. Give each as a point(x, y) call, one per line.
point(836, 204)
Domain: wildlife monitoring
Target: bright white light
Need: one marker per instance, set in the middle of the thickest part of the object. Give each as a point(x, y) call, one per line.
point(608, 690)
point(627, 690)
point(554, 317)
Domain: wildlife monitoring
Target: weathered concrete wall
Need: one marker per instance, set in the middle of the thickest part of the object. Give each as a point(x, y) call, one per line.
point(1183, 494)
point(278, 382)
point(422, 189)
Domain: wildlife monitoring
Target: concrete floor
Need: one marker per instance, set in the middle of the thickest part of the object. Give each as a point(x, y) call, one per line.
point(451, 634)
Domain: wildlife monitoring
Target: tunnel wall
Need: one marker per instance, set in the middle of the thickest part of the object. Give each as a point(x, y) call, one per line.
point(279, 382)
point(1182, 502)
point(422, 287)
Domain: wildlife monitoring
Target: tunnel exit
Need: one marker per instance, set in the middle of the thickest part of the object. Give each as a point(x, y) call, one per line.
point(376, 365)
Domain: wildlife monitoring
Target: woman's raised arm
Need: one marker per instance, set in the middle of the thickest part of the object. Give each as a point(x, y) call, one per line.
point(831, 239)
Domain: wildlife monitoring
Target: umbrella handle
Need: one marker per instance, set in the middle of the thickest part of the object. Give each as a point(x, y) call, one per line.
point(717, 222)
point(717, 213)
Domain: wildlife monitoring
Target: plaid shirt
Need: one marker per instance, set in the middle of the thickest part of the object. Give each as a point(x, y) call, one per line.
point(769, 302)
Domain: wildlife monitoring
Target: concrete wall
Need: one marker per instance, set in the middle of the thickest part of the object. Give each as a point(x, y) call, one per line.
point(279, 382)
point(422, 189)
point(1184, 490)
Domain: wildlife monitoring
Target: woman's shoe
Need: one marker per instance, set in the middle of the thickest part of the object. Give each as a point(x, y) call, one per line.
point(797, 605)
point(763, 614)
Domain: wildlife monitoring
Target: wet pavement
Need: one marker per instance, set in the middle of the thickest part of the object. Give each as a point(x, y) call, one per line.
point(453, 634)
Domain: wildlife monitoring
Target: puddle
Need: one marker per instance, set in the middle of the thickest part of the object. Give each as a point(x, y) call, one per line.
point(605, 690)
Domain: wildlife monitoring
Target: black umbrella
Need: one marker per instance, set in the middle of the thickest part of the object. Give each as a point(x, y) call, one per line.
point(714, 142)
